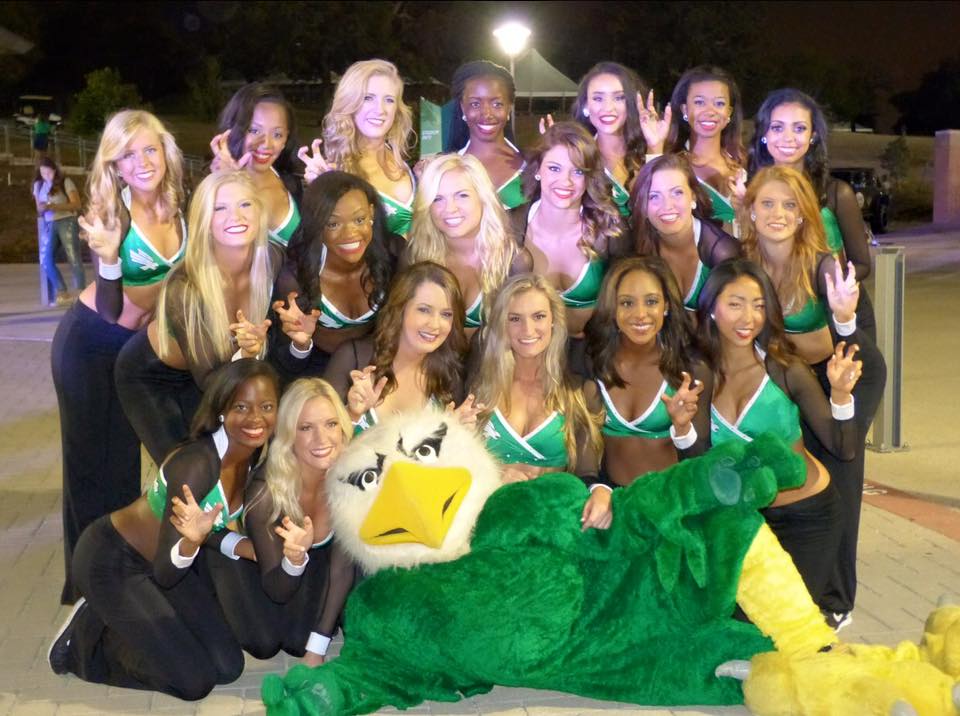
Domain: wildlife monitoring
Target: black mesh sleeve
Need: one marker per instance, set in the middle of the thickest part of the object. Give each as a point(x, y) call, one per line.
point(342, 576)
point(850, 218)
point(109, 298)
point(801, 385)
point(206, 362)
point(351, 355)
point(196, 465)
point(716, 245)
point(701, 421)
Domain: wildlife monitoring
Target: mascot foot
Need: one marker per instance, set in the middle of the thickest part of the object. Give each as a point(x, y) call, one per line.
point(303, 691)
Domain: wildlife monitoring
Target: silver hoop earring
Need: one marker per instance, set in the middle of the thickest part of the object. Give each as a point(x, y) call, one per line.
point(586, 112)
point(763, 140)
point(537, 177)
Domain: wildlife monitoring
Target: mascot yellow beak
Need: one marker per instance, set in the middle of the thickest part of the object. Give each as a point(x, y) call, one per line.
point(417, 503)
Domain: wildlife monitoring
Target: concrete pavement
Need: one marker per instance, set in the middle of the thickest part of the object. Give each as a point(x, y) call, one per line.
point(910, 553)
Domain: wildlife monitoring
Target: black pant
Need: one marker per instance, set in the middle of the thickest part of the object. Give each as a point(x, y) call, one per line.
point(841, 588)
point(262, 626)
point(810, 530)
point(138, 635)
point(101, 452)
point(159, 400)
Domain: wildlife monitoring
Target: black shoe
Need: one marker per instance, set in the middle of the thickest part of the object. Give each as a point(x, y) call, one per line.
point(838, 620)
point(58, 655)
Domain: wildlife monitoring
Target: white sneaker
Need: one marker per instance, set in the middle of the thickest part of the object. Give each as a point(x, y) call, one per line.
point(838, 620)
point(60, 646)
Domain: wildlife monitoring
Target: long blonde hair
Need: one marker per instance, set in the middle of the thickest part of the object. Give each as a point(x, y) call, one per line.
point(796, 285)
point(496, 371)
point(205, 311)
point(495, 246)
point(103, 184)
point(282, 470)
point(339, 131)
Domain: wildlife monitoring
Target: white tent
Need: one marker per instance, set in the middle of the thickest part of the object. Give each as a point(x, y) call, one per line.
point(535, 77)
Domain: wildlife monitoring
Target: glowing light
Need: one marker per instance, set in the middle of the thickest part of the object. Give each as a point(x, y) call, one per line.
point(512, 37)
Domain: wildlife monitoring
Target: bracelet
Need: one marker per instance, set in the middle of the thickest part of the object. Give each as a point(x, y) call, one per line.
point(111, 272)
point(318, 643)
point(846, 328)
point(683, 442)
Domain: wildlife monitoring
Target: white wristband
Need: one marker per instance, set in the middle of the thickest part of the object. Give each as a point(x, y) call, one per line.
point(228, 547)
point(298, 353)
point(111, 272)
point(292, 569)
point(596, 485)
point(845, 329)
point(683, 442)
point(179, 561)
point(842, 412)
point(318, 643)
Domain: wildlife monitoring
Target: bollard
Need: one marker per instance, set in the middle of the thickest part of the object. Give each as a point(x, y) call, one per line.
point(890, 274)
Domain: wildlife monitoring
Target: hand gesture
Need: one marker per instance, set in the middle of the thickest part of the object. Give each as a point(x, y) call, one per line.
point(737, 188)
point(843, 293)
point(467, 411)
point(189, 518)
point(843, 372)
point(103, 240)
point(250, 337)
point(297, 540)
point(298, 326)
point(363, 394)
point(654, 127)
point(596, 511)
point(546, 123)
point(223, 160)
point(682, 405)
point(315, 163)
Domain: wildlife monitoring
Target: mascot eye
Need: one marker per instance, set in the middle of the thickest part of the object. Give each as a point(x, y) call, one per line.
point(426, 453)
point(368, 478)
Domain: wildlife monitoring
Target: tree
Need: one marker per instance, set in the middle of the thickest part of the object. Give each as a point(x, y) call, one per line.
point(105, 93)
point(896, 158)
point(206, 97)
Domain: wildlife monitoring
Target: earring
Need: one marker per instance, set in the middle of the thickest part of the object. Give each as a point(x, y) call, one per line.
point(753, 217)
point(713, 316)
point(537, 177)
point(686, 118)
point(813, 140)
point(586, 112)
point(221, 418)
point(463, 117)
point(799, 220)
point(763, 140)
point(693, 204)
point(667, 312)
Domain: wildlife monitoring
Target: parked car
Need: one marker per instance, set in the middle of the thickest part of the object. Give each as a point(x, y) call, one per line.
point(31, 106)
point(872, 195)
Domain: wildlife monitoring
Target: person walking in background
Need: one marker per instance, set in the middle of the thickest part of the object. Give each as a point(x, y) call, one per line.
point(58, 202)
point(41, 137)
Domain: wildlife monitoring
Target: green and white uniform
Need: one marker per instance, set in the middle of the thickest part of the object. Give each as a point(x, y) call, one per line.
point(619, 193)
point(157, 494)
point(510, 192)
point(140, 262)
point(722, 208)
point(693, 295)
point(654, 422)
point(832, 228)
point(330, 315)
point(812, 317)
point(399, 214)
point(291, 222)
point(474, 315)
point(544, 446)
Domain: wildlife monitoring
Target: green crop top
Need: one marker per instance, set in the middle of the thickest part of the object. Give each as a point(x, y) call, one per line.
point(544, 446)
point(140, 263)
point(812, 317)
point(291, 222)
point(157, 494)
point(770, 410)
point(474, 315)
point(619, 193)
point(510, 192)
point(832, 228)
point(330, 315)
point(690, 300)
point(399, 214)
point(722, 208)
point(654, 422)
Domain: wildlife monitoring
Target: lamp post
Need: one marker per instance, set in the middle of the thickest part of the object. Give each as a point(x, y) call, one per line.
point(512, 37)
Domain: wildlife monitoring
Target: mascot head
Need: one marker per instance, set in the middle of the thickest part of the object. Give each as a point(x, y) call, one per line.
point(409, 491)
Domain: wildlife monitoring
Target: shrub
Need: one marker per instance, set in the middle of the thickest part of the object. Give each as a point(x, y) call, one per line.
point(105, 93)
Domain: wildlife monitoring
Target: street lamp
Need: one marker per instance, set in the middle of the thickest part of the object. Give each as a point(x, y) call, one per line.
point(512, 37)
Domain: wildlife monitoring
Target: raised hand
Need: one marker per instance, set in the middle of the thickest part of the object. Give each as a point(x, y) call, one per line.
point(297, 540)
point(189, 518)
point(250, 337)
point(843, 372)
point(297, 325)
point(843, 292)
point(223, 160)
point(315, 163)
point(363, 394)
point(682, 405)
point(546, 123)
point(654, 127)
point(596, 511)
point(466, 413)
point(103, 240)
